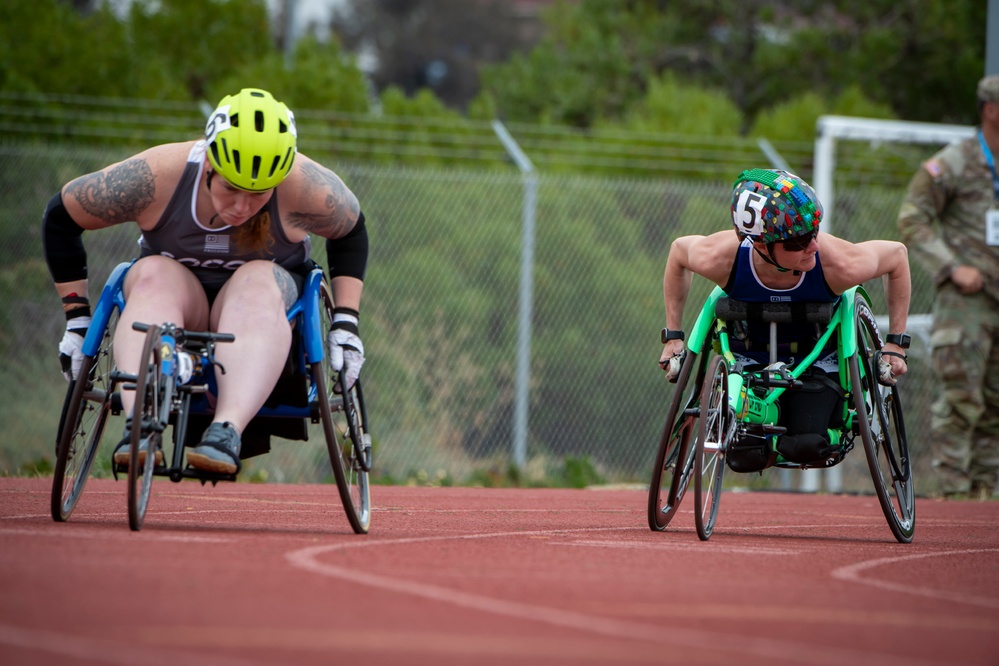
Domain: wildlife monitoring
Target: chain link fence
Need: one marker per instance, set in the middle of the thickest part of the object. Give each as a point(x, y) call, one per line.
point(440, 318)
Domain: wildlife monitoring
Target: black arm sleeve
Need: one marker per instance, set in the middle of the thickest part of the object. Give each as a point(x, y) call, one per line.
point(348, 255)
point(62, 243)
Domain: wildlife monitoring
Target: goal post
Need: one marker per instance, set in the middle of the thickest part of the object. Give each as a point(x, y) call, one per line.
point(829, 130)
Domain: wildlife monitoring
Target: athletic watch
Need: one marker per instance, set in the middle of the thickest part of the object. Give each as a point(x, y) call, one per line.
point(668, 335)
point(901, 339)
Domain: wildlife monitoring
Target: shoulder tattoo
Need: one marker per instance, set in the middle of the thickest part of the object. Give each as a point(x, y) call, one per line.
point(118, 195)
point(338, 212)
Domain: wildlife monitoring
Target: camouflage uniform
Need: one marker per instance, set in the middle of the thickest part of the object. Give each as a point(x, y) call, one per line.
point(943, 222)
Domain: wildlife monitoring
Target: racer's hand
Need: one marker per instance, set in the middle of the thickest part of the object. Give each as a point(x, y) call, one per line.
point(71, 347)
point(672, 359)
point(891, 364)
point(346, 350)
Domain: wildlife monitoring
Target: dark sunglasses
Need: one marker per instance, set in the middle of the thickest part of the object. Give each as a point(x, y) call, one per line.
point(799, 243)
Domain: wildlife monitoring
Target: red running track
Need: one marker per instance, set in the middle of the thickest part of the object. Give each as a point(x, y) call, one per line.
point(247, 574)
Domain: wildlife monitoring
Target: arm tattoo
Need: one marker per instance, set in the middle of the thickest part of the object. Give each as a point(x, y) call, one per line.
point(117, 196)
point(340, 208)
point(286, 283)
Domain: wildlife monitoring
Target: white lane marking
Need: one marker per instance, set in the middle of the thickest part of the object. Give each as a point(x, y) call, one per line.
point(852, 573)
point(685, 545)
point(78, 648)
point(308, 559)
point(104, 535)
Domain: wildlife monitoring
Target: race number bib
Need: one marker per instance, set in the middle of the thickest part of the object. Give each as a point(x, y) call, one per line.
point(748, 213)
point(992, 227)
point(219, 122)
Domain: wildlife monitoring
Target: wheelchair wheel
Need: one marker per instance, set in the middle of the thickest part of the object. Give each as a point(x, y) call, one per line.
point(675, 457)
point(149, 419)
point(81, 426)
point(882, 429)
point(716, 427)
point(345, 427)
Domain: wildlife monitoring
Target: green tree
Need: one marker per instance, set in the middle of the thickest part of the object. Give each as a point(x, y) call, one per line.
point(920, 58)
point(199, 41)
point(319, 76)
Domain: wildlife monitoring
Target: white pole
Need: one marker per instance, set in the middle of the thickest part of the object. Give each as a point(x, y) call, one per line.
point(522, 390)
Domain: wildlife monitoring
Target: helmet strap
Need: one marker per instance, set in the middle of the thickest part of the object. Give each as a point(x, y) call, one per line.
point(772, 260)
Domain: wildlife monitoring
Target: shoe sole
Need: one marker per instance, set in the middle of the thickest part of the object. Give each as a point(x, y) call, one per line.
point(123, 458)
point(203, 463)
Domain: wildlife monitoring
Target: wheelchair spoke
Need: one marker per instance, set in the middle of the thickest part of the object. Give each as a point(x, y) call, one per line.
point(345, 427)
point(152, 400)
point(675, 457)
point(882, 429)
point(84, 417)
point(715, 432)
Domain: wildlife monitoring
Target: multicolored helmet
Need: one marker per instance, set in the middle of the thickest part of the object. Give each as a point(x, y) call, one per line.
point(251, 140)
point(770, 206)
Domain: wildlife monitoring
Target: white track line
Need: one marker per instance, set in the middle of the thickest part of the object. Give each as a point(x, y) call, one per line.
point(76, 648)
point(309, 559)
point(851, 573)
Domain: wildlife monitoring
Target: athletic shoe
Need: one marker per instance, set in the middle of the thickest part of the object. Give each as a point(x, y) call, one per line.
point(218, 451)
point(123, 450)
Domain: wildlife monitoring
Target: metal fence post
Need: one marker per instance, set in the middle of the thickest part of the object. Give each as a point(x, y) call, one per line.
point(523, 383)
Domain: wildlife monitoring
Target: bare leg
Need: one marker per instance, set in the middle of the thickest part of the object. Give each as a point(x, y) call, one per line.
point(157, 290)
point(252, 306)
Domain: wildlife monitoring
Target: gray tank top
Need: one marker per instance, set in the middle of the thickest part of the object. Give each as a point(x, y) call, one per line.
point(211, 254)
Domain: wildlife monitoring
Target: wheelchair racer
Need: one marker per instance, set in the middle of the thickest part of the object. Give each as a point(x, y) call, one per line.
point(225, 226)
point(776, 253)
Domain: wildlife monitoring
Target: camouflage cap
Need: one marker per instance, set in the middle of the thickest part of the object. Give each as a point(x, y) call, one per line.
point(988, 89)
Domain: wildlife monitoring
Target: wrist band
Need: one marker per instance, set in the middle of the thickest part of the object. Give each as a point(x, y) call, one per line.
point(901, 356)
point(75, 298)
point(76, 313)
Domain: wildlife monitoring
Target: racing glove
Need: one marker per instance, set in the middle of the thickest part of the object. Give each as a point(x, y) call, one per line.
point(673, 366)
point(71, 345)
point(346, 350)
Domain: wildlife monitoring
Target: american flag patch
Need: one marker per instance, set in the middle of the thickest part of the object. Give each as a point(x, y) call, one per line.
point(933, 168)
point(217, 244)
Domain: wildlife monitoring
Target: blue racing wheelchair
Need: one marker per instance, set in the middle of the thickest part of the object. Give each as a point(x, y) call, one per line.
point(724, 413)
point(309, 391)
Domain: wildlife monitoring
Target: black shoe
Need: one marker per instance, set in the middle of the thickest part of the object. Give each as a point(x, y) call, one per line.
point(218, 451)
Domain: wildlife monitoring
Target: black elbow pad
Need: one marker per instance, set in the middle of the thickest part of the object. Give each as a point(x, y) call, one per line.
point(62, 243)
point(348, 255)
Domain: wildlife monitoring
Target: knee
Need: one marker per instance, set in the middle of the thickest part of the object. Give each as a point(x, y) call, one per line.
point(263, 281)
point(153, 273)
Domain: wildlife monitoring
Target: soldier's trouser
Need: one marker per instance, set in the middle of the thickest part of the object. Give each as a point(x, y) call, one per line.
point(965, 421)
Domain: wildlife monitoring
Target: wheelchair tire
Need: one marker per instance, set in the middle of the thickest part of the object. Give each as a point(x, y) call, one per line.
point(675, 456)
point(149, 420)
point(345, 427)
point(882, 429)
point(81, 425)
point(715, 429)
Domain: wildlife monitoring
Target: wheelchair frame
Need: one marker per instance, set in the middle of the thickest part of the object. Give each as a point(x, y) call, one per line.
point(162, 400)
point(715, 401)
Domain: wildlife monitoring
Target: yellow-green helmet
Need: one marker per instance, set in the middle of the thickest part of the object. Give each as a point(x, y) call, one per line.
point(251, 140)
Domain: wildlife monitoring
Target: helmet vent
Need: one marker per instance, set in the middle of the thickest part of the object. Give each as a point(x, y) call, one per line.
point(255, 173)
point(274, 166)
point(258, 120)
point(235, 161)
point(282, 127)
point(287, 159)
point(234, 120)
